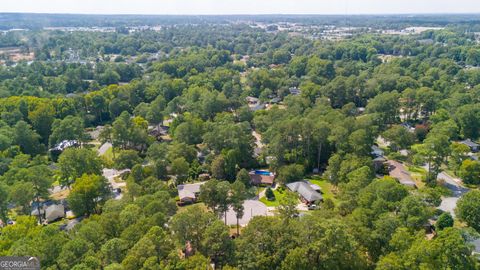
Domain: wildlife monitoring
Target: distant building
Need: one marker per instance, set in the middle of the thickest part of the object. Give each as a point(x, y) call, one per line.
point(61, 146)
point(309, 193)
point(255, 104)
point(275, 100)
point(471, 144)
point(252, 100)
point(294, 91)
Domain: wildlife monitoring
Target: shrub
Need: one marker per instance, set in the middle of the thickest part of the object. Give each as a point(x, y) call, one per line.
point(444, 220)
point(269, 194)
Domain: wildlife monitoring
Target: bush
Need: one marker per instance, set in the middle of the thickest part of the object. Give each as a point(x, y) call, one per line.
point(269, 194)
point(444, 221)
point(328, 204)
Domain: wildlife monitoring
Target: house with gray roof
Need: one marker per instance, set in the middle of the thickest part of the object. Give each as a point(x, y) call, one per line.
point(309, 193)
point(54, 212)
point(188, 193)
point(471, 144)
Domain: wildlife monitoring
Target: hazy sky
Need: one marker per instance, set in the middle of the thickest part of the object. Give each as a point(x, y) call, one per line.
point(241, 6)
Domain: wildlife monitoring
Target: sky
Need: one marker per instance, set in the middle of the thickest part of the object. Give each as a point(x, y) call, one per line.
point(213, 7)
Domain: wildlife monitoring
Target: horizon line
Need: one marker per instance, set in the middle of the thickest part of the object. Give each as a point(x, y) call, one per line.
point(243, 14)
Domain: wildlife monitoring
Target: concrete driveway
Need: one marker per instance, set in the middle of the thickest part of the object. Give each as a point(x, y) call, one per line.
point(455, 186)
point(252, 208)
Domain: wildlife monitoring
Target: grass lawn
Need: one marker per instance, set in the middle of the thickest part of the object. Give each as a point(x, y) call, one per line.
point(109, 153)
point(279, 194)
point(184, 208)
point(418, 174)
point(326, 189)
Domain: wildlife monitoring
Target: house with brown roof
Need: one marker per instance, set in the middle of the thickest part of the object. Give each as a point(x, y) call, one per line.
point(261, 178)
point(398, 171)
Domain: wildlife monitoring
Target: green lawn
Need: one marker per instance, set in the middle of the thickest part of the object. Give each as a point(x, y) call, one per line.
point(326, 188)
point(418, 174)
point(200, 205)
point(279, 194)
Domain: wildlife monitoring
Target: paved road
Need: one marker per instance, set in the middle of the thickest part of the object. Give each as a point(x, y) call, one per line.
point(455, 186)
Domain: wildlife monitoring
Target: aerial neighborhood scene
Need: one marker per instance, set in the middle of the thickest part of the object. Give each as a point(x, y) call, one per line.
point(248, 135)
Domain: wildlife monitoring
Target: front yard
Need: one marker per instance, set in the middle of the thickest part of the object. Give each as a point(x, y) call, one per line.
point(418, 175)
point(279, 194)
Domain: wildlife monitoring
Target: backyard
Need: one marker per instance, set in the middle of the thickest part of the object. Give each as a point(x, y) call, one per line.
point(327, 188)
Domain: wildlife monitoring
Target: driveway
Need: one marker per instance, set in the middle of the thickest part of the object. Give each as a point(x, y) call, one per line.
point(455, 186)
point(111, 174)
point(252, 208)
point(104, 148)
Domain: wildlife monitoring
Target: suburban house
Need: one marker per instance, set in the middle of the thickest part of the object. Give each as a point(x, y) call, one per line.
point(398, 171)
point(255, 104)
point(49, 210)
point(188, 193)
point(61, 146)
point(252, 100)
point(309, 193)
point(471, 144)
point(294, 91)
point(158, 131)
point(261, 177)
point(54, 212)
point(275, 100)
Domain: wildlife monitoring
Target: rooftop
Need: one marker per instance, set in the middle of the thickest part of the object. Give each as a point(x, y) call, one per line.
point(189, 190)
point(258, 179)
point(398, 171)
point(306, 190)
point(470, 143)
